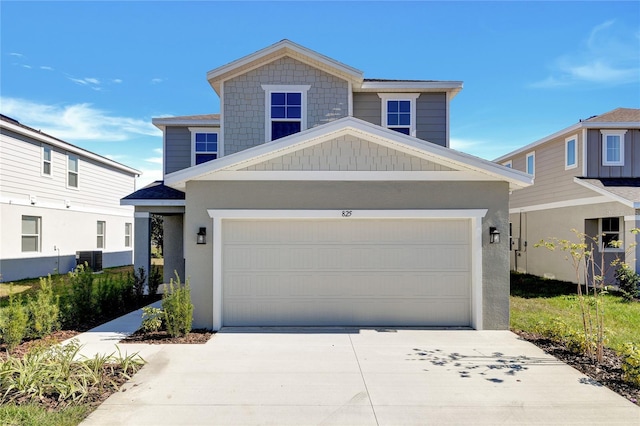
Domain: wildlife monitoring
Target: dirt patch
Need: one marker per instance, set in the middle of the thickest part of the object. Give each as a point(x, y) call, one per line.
point(608, 373)
point(196, 336)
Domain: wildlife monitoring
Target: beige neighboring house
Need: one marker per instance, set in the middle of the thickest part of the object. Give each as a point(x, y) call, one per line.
point(586, 177)
point(320, 198)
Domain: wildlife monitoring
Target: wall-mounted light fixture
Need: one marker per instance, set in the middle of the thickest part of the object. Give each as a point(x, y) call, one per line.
point(202, 236)
point(494, 235)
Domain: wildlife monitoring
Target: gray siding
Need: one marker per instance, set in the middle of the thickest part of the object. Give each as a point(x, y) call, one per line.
point(244, 100)
point(431, 118)
point(631, 166)
point(177, 150)
point(367, 107)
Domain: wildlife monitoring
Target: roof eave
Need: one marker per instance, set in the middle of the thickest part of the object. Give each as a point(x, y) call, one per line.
point(603, 191)
point(570, 129)
point(50, 140)
point(217, 75)
point(515, 178)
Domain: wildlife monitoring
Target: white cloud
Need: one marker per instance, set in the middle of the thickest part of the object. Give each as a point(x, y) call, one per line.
point(26, 66)
point(77, 122)
point(148, 176)
point(608, 56)
point(483, 149)
point(154, 160)
point(92, 80)
point(116, 81)
point(47, 68)
point(157, 80)
point(17, 55)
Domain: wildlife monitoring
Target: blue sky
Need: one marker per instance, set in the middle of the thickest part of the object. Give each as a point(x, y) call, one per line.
point(95, 73)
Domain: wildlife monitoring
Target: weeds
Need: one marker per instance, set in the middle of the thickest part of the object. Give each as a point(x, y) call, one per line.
point(177, 308)
point(151, 319)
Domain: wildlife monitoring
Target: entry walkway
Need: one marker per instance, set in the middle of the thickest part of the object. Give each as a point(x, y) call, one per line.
point(354, 377)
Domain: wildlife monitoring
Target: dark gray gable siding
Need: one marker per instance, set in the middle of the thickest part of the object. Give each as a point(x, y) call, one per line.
point(367, 107)
point(177, 150)
point(431, 114)
point(431, 118)
point(631, 168)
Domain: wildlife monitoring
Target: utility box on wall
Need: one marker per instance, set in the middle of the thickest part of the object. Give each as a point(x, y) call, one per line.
point(92, 258)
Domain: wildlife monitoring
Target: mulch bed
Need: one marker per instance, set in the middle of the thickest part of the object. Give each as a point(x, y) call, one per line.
point(608, 373)
point(196, 336)
point(55, 337)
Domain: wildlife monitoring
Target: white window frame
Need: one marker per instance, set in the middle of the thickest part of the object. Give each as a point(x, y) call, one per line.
point(531, 155)
point(620, 134)
point(38, 234)
point(77, 172)
point(568, 166)
point(44, 161)
point(194, 131)
point(508, 164)
point(128, 227)
point(103, 235)
point(411, 97)
point(620, 233)
point(284, 88)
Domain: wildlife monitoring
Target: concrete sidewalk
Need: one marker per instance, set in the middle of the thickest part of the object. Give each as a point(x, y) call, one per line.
point(356, 377)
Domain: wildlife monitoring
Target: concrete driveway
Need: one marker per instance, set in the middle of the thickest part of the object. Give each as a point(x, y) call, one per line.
point(360, 377)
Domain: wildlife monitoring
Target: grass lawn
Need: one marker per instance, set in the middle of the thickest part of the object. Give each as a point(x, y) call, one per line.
point(535, 300)
point(33, 415)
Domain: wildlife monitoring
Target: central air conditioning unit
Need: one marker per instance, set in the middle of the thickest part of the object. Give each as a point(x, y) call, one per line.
point(92, 258)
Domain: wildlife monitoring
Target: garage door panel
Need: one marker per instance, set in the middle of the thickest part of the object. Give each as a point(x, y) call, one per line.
point(346, 272)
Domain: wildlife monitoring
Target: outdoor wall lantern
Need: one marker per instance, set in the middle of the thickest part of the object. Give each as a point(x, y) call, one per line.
point(202, 236)
point(494, 235)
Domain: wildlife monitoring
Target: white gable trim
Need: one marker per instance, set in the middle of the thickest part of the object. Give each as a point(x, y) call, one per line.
point(359, 128)
point(321, 175)
point(613, 197)
point(474, 215)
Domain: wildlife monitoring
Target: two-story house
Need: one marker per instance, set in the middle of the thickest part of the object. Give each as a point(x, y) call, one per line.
point(587, 178)
point(318, 197)
point(56, 200)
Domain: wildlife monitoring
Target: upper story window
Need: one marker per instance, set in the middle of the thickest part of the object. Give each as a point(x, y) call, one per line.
point(101, 234)
point(72, 171)
point(285, 110)
point(204, 145)
point(571, 152)
point(531, 163)
point(613, 147)
point(46, 160)
point(610, 231)
point(508, 164)
point(31, 233)
point(399, 112)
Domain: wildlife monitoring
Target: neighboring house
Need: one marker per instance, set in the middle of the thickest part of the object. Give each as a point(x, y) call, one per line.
point(320, 198)
point(57, 200)
point(587, 178)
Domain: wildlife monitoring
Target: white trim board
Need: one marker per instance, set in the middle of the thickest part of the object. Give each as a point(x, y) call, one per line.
point(561, 204)
point(474, 215)
point(368, 176)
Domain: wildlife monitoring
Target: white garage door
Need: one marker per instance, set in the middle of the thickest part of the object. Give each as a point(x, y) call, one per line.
point(390, 272)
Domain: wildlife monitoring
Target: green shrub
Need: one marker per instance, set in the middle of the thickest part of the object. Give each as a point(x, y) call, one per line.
point(177, 307)
point(83, 307)
point(628, 282)
point(139, 280)
point(155, 279)
point(56, 372)
point(558, 331)
point(151, 319)
point(631, 363)
point(43, 310)
point(13, 322)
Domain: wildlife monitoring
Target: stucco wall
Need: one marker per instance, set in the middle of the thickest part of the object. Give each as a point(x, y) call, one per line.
point(244, 100)
point(493, 196)
point(558, 223)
